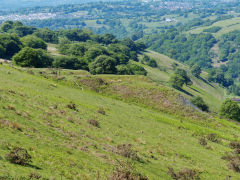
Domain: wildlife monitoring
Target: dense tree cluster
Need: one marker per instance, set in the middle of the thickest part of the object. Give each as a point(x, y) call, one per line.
point(192, 49)
point(80, 49)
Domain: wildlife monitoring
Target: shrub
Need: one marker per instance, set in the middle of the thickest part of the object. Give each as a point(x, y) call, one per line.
point(94, 123)
point(29, 57)
point(212, 137)
point(127, 151)
point(72, 106)
point(202, 141)
point(103, 65)
point(126, 171)
point(235, 145)
point(19, 156)
point(230, 109)
point(198, 101)
point(184, 174)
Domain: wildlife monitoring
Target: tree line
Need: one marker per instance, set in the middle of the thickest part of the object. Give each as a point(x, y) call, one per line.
point(80, 49)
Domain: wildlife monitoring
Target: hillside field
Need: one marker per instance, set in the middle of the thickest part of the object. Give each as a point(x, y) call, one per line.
point(50, 116)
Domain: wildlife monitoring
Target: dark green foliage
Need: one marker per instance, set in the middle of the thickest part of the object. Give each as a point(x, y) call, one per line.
point(198, 101)
point(103, 65)
point(9, 45)
point(17, 28)
point(34, 42)
point(149, 61)
point(77, 49)
point(131, 69)
point(47, 35)
point(123, 69)
point(190, 49)
point(184, 75)
point(230, 109)
point(179, 78)
point(76, 35)
point(137, 70)
point(196, 70)
point(19, 156)
point(29, 57)
point(152, 63)
point(218, 76)
point(176, 81)
point(67, 62)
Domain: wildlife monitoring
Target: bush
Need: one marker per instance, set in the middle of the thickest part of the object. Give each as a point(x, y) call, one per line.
point(94, 123)
point(19, 156)
point(184, 174)
point(103, 65)
point(29, 57)
point(198, 101)
point(230, 109)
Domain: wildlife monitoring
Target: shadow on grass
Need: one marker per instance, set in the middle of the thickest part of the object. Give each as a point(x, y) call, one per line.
point(195, 90)
point(204, 80)
point(185, 92)
point(34, 167)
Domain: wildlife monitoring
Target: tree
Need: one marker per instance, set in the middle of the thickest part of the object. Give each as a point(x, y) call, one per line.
point(230, 109)
point(47, 35)
point(11, 45)
point(34, 42)
point(183, 74)
point(196, 70)
point(103, 65)
point(29, 57)
point(198, 101)
point(176, 81)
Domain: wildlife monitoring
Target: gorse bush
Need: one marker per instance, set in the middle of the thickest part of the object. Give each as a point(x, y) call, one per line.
point(19, 156)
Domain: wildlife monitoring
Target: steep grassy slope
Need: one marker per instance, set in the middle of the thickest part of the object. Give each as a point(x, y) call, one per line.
point(226, 25)
point(211, 93)
point(49, 117)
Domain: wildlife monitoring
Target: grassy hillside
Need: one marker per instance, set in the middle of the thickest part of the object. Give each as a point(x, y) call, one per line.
point(53, 116)
point(210, 92)
point(226, 25)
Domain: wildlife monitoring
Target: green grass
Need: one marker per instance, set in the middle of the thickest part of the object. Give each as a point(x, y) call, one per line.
point(212, 94)
point(226, 25)
point(64, 146)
